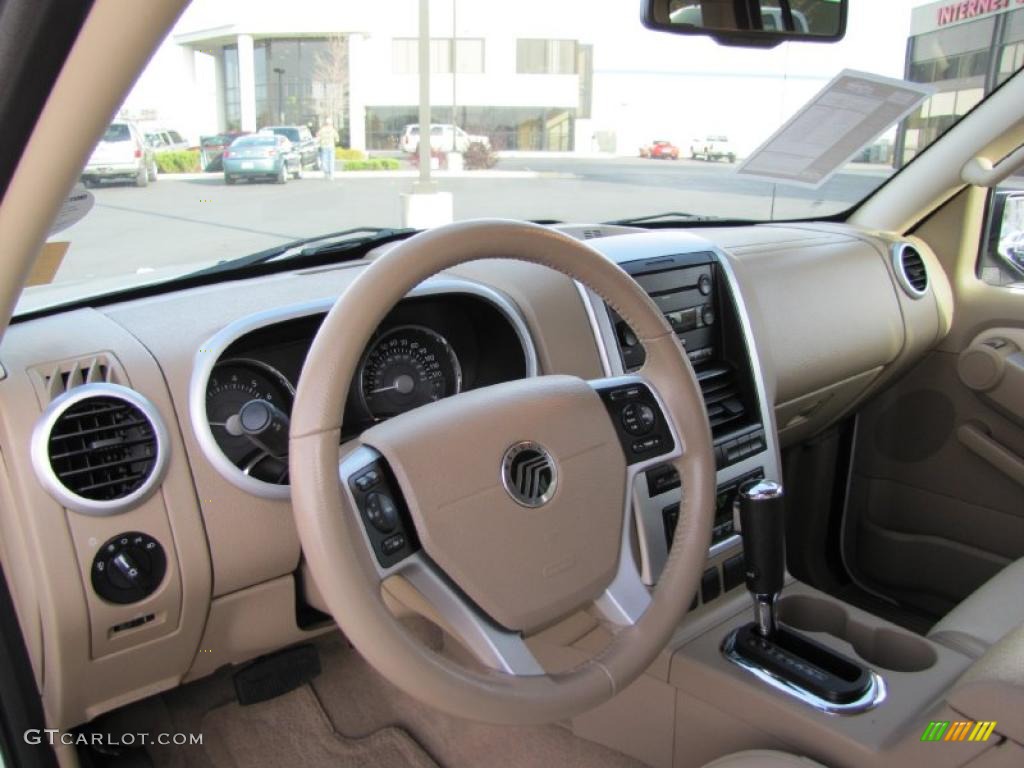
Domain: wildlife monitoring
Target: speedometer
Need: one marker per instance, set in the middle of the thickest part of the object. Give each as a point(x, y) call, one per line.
point(407, 367)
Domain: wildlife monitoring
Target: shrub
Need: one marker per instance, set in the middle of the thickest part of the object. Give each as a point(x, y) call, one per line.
point(341, 153)
point(178, 161)
point(373, 164)
point(478, 157)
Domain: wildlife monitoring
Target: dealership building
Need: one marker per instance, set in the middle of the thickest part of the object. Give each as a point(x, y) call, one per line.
point(527, 89)
point(966, 49)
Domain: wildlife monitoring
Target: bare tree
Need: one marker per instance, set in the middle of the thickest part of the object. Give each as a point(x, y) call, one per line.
point(330, 77)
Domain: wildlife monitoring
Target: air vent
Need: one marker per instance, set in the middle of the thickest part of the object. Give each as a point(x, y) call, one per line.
point(54, 379)
point(100, 448)
point(592, 234)
point(910, 270)
point(722, 398)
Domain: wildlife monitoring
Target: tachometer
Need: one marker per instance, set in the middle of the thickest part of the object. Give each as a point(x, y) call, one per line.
point(233, 384)
point(407, 367)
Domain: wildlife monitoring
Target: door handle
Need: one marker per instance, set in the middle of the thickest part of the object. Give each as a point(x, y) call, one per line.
point(996, 454)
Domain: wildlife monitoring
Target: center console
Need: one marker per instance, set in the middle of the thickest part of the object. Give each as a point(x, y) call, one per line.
point(693, 285)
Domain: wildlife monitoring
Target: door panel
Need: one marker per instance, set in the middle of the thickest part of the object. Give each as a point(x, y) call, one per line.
point(935, 505)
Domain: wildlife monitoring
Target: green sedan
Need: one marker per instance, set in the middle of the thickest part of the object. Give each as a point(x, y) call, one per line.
point(261, 156)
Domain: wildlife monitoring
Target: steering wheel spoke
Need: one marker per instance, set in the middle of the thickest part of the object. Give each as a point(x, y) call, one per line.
point(648, 438)
point(377, 501)
point(493, 646)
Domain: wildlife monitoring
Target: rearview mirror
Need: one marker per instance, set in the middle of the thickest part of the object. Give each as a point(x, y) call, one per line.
point(749, 23)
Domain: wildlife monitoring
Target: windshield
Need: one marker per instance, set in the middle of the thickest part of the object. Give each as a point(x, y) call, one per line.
point(117, 132)
point(292, 134)
point(568, 111)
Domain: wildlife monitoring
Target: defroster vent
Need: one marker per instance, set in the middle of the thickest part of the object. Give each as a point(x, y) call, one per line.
point(100, 448)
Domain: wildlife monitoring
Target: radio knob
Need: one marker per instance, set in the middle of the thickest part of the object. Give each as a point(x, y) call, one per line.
point(707, 315)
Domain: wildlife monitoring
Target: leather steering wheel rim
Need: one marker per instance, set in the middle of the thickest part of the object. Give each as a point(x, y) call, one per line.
point(336, 550)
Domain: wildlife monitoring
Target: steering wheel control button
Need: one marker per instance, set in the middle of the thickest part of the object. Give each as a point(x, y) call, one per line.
point(381, 512)
point(382, 509)
point(367, 480)
point(393, 544)
point(638, 418)
point(529, 474)
point(624, 393)
point(128, 568)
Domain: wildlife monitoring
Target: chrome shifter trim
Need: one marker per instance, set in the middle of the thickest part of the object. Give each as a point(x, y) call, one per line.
point(871, 698)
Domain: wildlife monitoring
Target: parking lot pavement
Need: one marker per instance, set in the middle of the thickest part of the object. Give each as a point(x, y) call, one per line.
point(198, 219)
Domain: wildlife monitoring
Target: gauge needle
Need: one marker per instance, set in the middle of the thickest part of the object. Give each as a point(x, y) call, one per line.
point(404, 384)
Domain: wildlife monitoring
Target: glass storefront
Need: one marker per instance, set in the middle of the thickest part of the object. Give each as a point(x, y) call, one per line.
point(513, 128)
point(298, 81)
point(965, 62)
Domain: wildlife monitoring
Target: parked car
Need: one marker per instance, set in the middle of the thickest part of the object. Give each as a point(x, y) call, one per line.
point(212, 147)
point(441, 138)
point(660, 150)
point(302, 141)
point(121, 155)
point(712, 148)
point(261, 156)
point(161, 140)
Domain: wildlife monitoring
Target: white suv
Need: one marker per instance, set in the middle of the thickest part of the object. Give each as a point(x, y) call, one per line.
point(121, 155)
point(441, 138)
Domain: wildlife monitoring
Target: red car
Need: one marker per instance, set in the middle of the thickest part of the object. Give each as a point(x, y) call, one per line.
point(660, 150)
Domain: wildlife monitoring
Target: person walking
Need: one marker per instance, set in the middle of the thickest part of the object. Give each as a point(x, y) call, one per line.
point(327, 137)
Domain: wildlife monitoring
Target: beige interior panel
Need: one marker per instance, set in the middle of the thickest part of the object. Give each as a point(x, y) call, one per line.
point(250, 623)
point(81, 675)
point(888, 735)
point(808, 299)
point(930, 515)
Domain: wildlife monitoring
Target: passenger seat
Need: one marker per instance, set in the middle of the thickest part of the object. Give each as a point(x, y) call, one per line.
point(988, 613)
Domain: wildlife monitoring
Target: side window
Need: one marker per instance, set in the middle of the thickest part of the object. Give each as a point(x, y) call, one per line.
point(175, 137)
point(1002, 252)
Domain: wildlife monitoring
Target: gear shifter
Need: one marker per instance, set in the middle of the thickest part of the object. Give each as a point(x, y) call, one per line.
point(777, 654)
point(762, 522)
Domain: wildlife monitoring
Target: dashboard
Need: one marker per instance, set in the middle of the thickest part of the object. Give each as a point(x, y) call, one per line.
point(449, 337)
point(789, 328)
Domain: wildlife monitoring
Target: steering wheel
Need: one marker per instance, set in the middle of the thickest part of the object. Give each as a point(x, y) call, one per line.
point(507, 507)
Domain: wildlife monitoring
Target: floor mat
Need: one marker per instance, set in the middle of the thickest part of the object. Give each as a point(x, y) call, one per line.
point(359, 700)
point(293, 730)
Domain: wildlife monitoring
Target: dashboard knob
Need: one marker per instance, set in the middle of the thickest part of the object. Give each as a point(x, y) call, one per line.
point(266, 425)
point(128, 568)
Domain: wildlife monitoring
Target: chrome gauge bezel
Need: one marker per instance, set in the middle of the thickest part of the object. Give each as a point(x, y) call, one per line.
point(377, 340)
point(209, 353)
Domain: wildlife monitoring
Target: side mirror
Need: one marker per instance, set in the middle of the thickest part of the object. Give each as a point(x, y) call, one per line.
point(1008, 229)
point(749, 23)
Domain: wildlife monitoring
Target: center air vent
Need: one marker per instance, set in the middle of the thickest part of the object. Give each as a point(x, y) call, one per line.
point(100, 448)
point(910, 270)
point(721, 398)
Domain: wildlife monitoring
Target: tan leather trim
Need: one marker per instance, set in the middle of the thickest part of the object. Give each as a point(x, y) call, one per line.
point(335, 550)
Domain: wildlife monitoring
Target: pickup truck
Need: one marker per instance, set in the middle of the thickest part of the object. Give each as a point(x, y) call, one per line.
point(712, 148)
